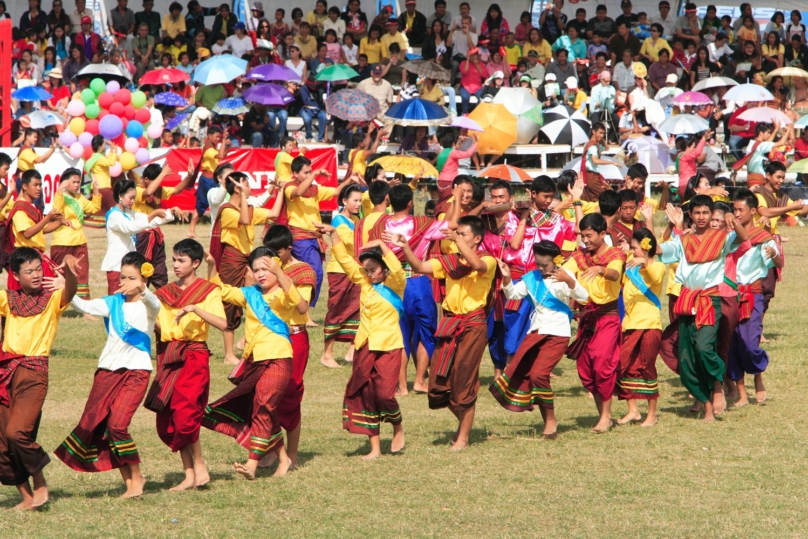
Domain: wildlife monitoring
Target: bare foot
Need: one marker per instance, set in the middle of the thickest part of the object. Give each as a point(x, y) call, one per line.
point(373, 455)
point(329, 362)
point(311, 323)
point(284, 465)
point(760, 389)
point(549, 436)
point(763, 340)
point(187, 483)
point(190, 234)
point(24, 505)
point(650, 421)
point(697, 406)
point(201, 475)
point(459, 445)
point(349, 356)
point(741, 402)
point(719, 403)
point(760, 396)
point(603, 426)
point(40, 492)
point(241, 469)
point(590, 395)
point(135, 489)
point(404, 393)
point(268, 460)
point(89, 317)
point(553, 375)
point(420, 388)
point(398, 441)
point(242, 342)
point(230, 360)
point(629, 418)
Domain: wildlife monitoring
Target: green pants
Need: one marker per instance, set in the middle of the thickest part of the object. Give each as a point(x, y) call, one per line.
point(699, 363)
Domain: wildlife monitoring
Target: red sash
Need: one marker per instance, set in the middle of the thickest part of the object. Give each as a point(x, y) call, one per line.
point(449, 328)
point(30, 210)
point(620, 229)
point(177, 298)
point(698, 303)
point(301, 274)
point(705, 247)
point(216, 246)
point(738, 165)
point(584, 260)
point(746, 298)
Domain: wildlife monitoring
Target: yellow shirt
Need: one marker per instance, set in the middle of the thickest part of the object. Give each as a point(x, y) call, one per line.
point(378, 319)
point(569, 215)
point(262, 343)
point(210, 160)
point(298, 319)
point(302, 211)
point(25, 161)
point(601, 291)
point(375, 52)
point(359, 161)
point(447, 246)
point(65, 235)
point(762, 202)
point(140, 206)
point(410, 21)
point(640, 312)
point(307, 49)
point(7, 208)
point(369, 221)
point(513, 54)
point(283, 168)
point(31, 335)
point(100, 170)
point(190, 327)
point(172, 27)
point(652, 50)
point(469, 293)
point(347, 237)
point(435, 95)
point(20, 223)
point(654, 203)
point(241, 236)
point(543, 49)
point(388, 40)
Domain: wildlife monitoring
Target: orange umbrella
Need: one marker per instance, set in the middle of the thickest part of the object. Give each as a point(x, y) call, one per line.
point(499, 128)
point(505, 172)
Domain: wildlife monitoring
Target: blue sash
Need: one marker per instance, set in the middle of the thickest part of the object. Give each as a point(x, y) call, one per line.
point(389, 295)
point(264, 313)
point(128, 334)
point(636, 279)
point(538, 290)
point(116, 208)
point(339, 220)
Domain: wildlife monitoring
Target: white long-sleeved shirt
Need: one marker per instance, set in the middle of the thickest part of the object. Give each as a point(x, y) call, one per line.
point(119, 235)
point(117, 354)
point(547, 321)
point(218, 195)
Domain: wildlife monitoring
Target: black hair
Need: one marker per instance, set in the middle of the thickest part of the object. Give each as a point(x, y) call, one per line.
point(745, 195)
point(477, 193)
point(372, 171)
point(701, 200)
point(378, 191)
point(603, 54)
point(565, 180)
point(608, 203)
point(356, 139)
point(5, 159)
point(502, 184)
point(663, 50)
point(440, 3)
point(394, 48)
point(593, 221)
point(152, 171)
point(637, 170)
point(98, 141)
point(763, 127)
point(348, 191)
point(221, 170)
point(134, 259)
point(285, 141)
point(546, 248)
point(723, 207)
point(333, 9)
point(212, 130)
point(174, 6)
point(67, 173)
point(627, 195)
point(692, 184)
point(462, 179)
point(20, 256)
point(448, 139)
point(658, 27)
point(278, 237)
point(232, 179)
point(600, 126)
point(642, 234)
point(299, 162)
point(120, 188)
point(720, 36)
point(29, 175)
point(190, 248)
point(774, 166)
point(374, 253)
point(542, 184)
point(474, 223)
point(400, 197)
point(260, 252)
point(601, 7)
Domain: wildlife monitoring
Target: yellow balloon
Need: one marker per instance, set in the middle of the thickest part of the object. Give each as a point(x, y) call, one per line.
point(77, 126)
point(128, 161)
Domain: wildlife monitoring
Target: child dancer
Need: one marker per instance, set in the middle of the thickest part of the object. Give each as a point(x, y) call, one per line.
point(101, 441)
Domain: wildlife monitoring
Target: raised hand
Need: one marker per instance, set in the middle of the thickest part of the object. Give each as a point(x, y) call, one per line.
point(394, 239)
point(729, 219)
point(675, 215)
point(647, 212)
point(504, 269)
point(129, 288)
point(577, 189)
point(51, 284)
point(185, 310)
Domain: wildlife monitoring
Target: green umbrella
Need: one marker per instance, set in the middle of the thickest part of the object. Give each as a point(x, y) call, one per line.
point(534, 115)
point(336, 72)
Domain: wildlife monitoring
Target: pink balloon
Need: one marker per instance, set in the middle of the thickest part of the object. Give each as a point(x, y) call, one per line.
point(75, 108)
point(131, 145)
point(154, 131)
point(142, 156)
point(76, 150)
point(115, 170)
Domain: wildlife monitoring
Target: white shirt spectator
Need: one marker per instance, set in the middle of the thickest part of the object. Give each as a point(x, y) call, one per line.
point(716, 53)
point(217, 49)
point(460, 44)
point(667, 23)
point(624, 76)
point(458, 20)
point(338, 27)
point(239, 47)
point(548, 321)
point(351, 54)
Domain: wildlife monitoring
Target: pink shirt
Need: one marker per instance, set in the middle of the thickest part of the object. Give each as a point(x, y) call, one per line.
point(449, 172)
point(471, 77)
point(492, 68)
point(406, 227)
point(687, 164)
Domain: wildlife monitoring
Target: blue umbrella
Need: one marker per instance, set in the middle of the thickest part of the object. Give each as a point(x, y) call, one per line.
point(231, 106)
point(268, 94)
point(219, 69)
point(174, 122)
point(171, 99)
point(31, 93)
point(416, 112)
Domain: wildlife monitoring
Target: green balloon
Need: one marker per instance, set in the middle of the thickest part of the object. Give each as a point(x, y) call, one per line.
point(88, 96)
point(98, 86)
point(92, 110)
point(138, 99)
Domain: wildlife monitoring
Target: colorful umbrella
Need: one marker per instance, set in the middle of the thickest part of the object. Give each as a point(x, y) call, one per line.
point(430, 70)
point(416, 111)
point(615, 172)
point(692, 98)
point(175, 122)
point(31, 93)
point(171, 99)
point(565, 125)
point(685, 124)
point(169, 75)
point(505, 172)
point(520, 101)
point(788, 73)
point(765, 114)
point(352, 105)
point(464, 122)
point(407, 165)
point(714, 82)
point(219, 70)
point(651, 152)
point(498, 125)
point(40, 119)
point(272, 72)
point(747, 93)
point(231, 106)
point(268, 94)
point(105, 72)
point(336, 72)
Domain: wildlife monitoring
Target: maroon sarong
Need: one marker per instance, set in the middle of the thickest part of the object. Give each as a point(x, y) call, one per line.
point(233, 269)
point(730, 317)
point(370, 396)
point(637, 378)
point(58, 253)
point(342, 318)
point(458, 389)
point(289, 407)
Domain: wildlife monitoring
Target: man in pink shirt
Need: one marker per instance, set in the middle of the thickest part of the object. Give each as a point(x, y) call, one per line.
point(472, 74)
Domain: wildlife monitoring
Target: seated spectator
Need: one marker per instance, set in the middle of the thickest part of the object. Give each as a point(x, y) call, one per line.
point(173, 22)
point(659, 71)
point(796, 53)
point(601, 25)
point(651, 46)
point(239, 44)
point(472, 74)
point(413, 24)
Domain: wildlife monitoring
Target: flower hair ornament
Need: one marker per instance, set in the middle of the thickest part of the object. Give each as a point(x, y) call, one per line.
point(146, 270)
point(645, 244)
point(558, 260)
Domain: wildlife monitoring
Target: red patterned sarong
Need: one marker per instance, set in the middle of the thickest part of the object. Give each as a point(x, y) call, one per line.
point(370, 396)
point(233, 269)
point(637, 378)
point(289, 407)
point(342, 318)
point(58, 253)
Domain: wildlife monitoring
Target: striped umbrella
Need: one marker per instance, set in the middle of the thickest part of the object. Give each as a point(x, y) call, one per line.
point(565, 125)
point(352, 105)
point(505, 172)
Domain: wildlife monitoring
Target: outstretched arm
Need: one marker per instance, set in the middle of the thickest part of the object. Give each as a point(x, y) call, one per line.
point(155, 183)
point(476, 263)
point(415, 263)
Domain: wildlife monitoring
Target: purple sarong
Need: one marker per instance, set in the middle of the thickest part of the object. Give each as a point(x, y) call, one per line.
point(745, 354)
point(420, 319)
point(308, 251)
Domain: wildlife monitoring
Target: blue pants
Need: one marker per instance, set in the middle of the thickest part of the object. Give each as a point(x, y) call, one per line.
point(308, 116)
point(203, 185)
point(496, 341)
point(517, 324)
point(279, 131)
point(308, 251)
point(465, 95)
point(420, 320)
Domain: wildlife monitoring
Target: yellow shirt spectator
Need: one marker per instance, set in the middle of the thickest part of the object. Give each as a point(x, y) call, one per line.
point(172, 27)
point(388, 40)
point(469, 293)
point(375, 52)
point(513, 54)
point(652, 49)
point(308, 47)
point(543, 49)
point(72, 236)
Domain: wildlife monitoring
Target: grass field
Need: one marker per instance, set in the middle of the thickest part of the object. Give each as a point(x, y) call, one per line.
point(742, 476)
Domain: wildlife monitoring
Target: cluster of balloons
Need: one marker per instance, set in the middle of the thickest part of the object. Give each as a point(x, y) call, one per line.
point(116, 114)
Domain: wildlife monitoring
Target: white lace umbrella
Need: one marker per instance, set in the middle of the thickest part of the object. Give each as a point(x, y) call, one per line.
point(651, 152)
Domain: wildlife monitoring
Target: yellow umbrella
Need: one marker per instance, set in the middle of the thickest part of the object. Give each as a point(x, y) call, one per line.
point(499, 128)
point(407, 165)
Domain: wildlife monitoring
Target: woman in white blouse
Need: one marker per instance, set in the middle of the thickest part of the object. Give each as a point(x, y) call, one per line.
point(101, 441)
point(123, 225)
point(296, 63)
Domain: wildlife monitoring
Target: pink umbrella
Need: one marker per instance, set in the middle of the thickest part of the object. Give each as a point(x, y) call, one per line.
point(692, 98)
point(765, 114)
point(464, 122)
